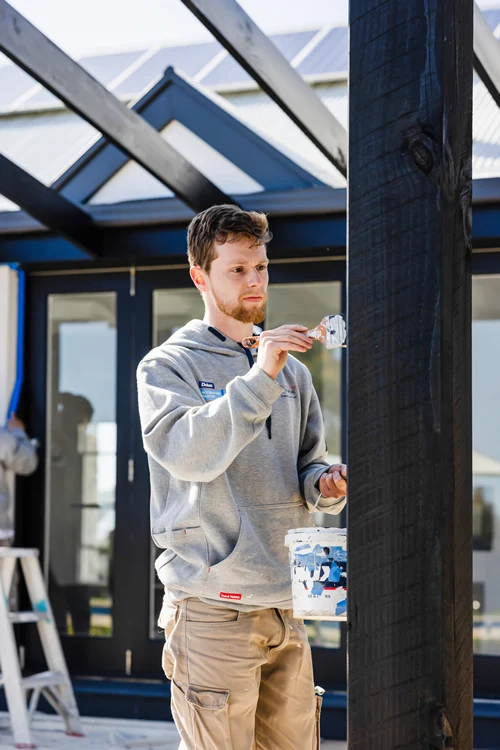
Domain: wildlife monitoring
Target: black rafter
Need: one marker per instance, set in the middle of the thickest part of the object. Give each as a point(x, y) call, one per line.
point(233, 28)
point(40, 58)
point(50, 208)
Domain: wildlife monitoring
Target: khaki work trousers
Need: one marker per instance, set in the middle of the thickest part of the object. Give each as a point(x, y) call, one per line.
point(240, 680)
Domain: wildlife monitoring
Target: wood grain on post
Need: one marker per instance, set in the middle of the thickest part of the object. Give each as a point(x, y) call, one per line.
point(409, 365)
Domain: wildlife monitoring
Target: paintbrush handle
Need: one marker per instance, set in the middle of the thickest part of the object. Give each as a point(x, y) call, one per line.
point(252, 342)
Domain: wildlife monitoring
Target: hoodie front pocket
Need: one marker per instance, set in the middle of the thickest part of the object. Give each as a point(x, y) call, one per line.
point(240, 545)
point(257, 568)
point(187, 544)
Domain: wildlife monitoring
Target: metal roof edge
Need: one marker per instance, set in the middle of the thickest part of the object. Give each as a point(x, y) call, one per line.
point(298, 202)
point(301, 201)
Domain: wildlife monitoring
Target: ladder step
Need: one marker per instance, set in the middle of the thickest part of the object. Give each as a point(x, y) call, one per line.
point(54, 684)
point(17, 552)
point(17, 617)
point(40, 680)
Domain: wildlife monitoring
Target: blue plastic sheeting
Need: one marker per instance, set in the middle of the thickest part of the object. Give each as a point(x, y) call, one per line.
point(104, 68)
point(190, 59)
point(230, 72)
point(330, 56)
point(14, 82)
point(14, 400)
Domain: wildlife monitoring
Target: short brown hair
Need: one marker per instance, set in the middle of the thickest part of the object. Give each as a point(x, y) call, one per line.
point(221, 224)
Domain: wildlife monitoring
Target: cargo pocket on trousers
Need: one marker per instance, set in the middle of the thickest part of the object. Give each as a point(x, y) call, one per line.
point(319, 692)
point(209, 717)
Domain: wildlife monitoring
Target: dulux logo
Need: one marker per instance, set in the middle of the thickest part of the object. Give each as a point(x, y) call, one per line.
point(205, 384)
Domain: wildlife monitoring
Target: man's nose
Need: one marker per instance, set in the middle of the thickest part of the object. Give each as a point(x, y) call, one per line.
point(255, 279)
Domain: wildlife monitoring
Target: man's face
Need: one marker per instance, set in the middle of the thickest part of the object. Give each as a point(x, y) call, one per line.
point(238, 280)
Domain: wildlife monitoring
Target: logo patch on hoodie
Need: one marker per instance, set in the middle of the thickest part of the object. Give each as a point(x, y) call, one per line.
point(209, 391)
point(290, 392)
point(224, 595)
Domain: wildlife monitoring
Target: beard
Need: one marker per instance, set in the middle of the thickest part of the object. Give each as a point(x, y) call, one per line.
point(245, 313)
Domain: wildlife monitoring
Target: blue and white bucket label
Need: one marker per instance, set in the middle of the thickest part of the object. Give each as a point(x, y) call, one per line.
point(318, 563)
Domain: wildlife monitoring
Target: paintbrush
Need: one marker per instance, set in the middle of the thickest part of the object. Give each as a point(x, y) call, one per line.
point(330, 332)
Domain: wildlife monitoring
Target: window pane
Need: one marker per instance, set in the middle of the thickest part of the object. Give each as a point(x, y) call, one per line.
point(172, 309)
point(81, 460)
point(486, 463)
point(307, 304)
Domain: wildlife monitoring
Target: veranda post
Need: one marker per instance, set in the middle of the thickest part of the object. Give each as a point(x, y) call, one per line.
point(409, 375)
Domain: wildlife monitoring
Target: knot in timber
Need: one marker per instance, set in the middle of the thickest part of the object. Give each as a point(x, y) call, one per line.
point(421, 153)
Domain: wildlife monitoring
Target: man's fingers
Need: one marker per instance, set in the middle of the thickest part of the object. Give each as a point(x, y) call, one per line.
point(335, 481)
point(339, 481)
point(285, 330)
point(287, 338)
point(292, 327)
point(339, 468)
point(330, 480)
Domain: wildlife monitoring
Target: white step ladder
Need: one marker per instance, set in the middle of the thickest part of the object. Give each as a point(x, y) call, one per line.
point(55, 684)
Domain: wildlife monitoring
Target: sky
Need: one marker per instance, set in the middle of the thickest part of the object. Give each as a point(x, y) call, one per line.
point(92, 26)
point(83, 26)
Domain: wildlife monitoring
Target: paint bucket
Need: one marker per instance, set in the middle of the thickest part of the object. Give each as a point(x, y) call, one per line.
point(318, 565)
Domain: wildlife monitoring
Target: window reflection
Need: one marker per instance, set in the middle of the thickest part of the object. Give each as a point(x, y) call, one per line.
point(81, 460)
point(486, 463)
point(307, 304)
point(172, 309)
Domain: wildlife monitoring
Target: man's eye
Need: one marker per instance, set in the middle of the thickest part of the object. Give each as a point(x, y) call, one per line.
point(262, 268)
point(236, 270)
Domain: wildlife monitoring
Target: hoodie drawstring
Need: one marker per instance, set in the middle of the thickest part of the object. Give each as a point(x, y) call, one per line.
point(251, 363)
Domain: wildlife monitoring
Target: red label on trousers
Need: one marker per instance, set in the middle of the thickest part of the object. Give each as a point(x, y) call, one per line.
point(224, 595)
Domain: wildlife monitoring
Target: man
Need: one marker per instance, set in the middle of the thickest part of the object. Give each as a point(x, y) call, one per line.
point(17, 454)
point(236, 453)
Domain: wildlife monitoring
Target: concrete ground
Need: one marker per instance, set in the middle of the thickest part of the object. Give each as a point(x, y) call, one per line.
point(106, 734)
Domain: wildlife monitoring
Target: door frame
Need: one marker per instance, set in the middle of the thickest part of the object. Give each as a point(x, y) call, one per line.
point(83, 653)
point(329, 664)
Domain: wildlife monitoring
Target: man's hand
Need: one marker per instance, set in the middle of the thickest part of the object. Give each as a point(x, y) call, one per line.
point(15, 423)
point(274, 346)
point(333, 483)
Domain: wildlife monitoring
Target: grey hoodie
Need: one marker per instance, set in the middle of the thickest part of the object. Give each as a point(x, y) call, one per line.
point(227, 482)
point(17, 454)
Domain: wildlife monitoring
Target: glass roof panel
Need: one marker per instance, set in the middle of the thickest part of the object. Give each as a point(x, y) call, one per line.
point(133, 182)
point(493, 17)
point(14, 82)
point(104, 68)
point(190, 59)
point(230, 72)
point(330, 56)
point(45, 145)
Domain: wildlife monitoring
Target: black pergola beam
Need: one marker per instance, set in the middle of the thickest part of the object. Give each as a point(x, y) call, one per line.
point(252, 49)
point(409, 363)
point(33, 52)
point(486, 54)
point(48, 207)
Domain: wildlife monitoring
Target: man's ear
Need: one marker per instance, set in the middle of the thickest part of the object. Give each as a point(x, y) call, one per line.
point(198, 278)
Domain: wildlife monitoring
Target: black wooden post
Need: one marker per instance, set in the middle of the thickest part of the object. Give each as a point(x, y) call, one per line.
point(409, 317)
